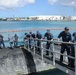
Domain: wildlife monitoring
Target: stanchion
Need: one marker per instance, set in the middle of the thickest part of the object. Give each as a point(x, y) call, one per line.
point(34, 47)
point(41, 50)
point(28, 45)
point(53, 54)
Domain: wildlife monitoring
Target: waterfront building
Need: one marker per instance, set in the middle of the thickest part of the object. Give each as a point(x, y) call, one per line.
point(73, 17)
point(46, 17)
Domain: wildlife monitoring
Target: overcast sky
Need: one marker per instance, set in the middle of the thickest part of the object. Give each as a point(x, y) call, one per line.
point(24, 8)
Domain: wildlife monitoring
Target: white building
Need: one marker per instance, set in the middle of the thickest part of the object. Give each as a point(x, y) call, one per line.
point(73, 17)
point(56, 17)
point(47, 17)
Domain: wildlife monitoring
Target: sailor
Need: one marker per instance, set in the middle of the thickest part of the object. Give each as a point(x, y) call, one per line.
point(15, 40)
point(48, 36)
point(11, 40)
point(66, 37)
point(39, 36)
point(74, 36)
point(31, 37)
point(25, 36)
point(2, 41)
point(73, 50)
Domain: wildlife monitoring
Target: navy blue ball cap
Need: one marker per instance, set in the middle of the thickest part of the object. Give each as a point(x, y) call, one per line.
point(66, 28)
point(48, 30)
point(25, 33)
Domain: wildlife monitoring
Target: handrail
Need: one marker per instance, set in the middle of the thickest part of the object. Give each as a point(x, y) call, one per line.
point(44, 40)
point(8, 41)
point(54, 52)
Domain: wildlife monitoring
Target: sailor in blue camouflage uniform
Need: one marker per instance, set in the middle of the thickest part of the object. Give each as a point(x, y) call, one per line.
point(48, 36)
point(66, 37)
point(73, 50)
point(39, 36)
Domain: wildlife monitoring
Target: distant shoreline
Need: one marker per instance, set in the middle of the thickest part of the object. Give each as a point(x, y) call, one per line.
point(40, 20)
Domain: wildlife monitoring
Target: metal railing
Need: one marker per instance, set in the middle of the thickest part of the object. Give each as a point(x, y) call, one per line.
point(53, 51)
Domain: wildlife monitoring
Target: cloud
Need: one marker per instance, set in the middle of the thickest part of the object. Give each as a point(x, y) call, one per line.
point(52, 1)
point(8, 4)
point(63, 2)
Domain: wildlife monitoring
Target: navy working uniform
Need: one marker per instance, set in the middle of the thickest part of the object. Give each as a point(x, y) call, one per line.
point(31, 36)
point(66, 37)
point(28, 36)
point(2, 41)
point(15, 40)
point(74, 35)
point(73, 50)
point(39, 36)
point(49, 36)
